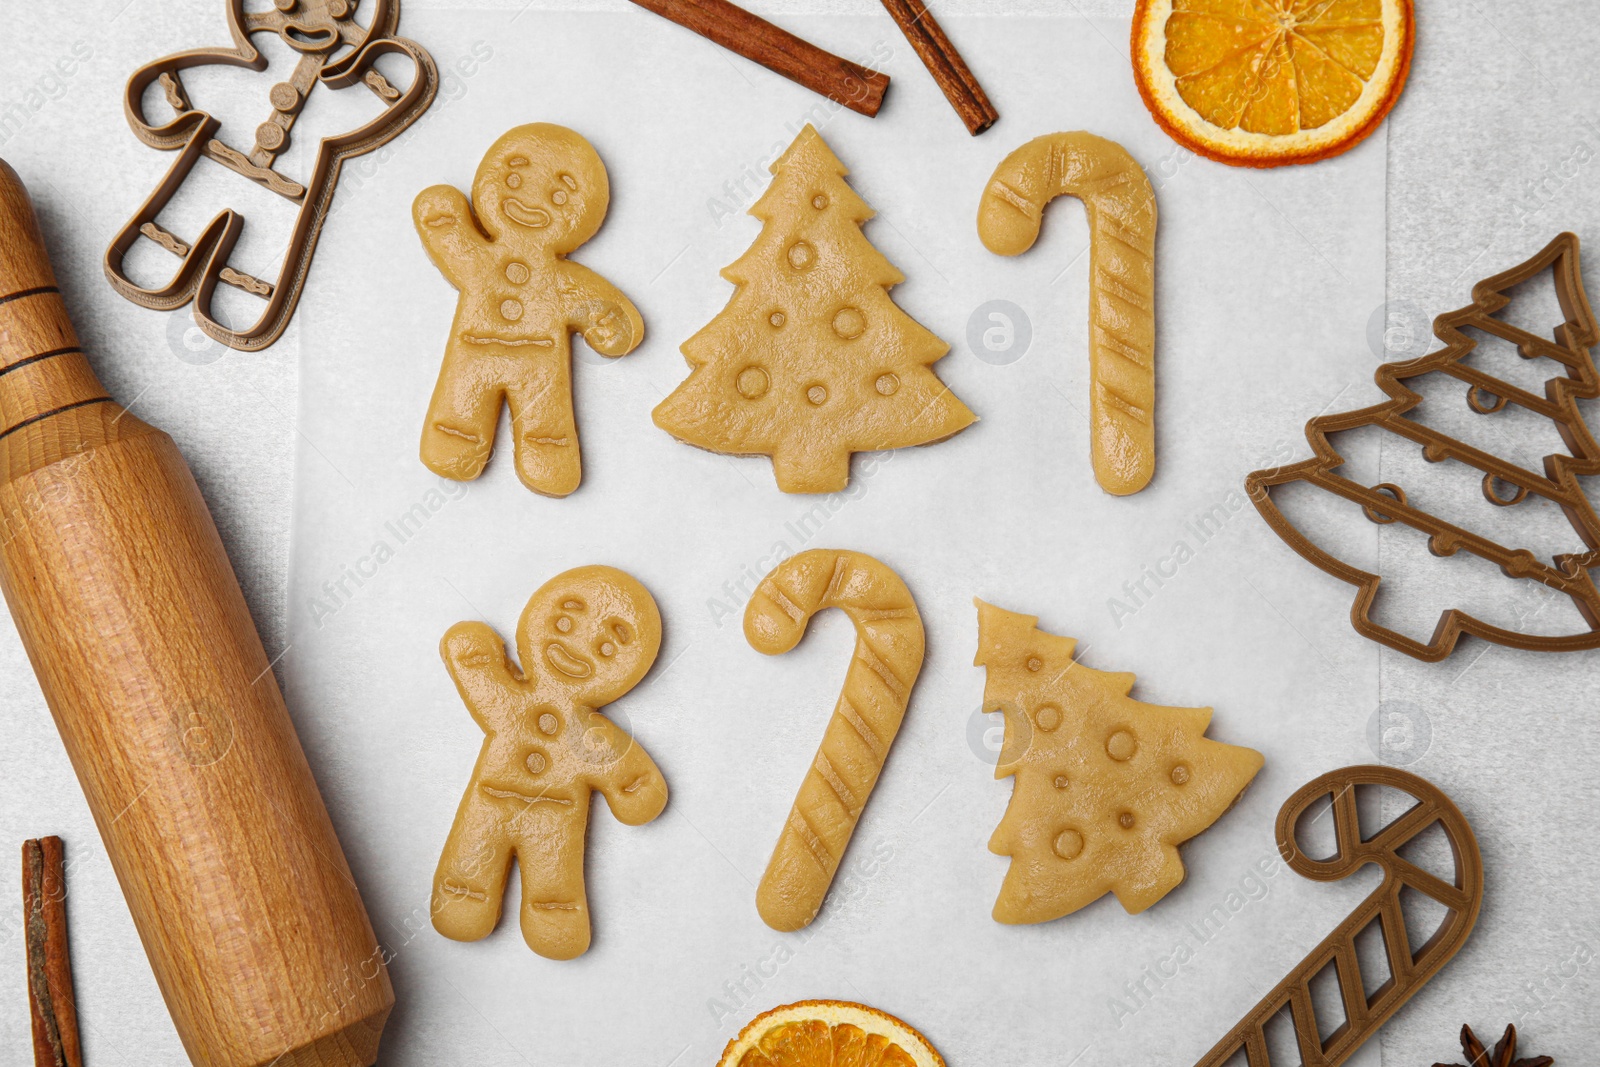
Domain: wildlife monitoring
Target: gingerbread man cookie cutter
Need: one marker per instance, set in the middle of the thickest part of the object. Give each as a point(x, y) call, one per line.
point(1409, 970)
point(586, 638)
point(1505, 484)
point(1122, 334)
point(883, 668)
point(334, 51)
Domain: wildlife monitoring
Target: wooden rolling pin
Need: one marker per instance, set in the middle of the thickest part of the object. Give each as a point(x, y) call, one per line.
point(133, 619)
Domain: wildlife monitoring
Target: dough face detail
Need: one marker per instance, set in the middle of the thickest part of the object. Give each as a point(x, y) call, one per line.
point(811, 360)
point(586, 638)
point(1122, 333)
point(1106, 786)
point(540, 193)
point(883, 668)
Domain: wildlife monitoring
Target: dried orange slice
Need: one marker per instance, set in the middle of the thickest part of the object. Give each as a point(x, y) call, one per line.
point(828, 1033)
point(1261, 83)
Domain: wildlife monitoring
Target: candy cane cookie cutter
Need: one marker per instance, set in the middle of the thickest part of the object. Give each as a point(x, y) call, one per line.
point(883, 668)
point(335, 51)
point(1409, 971)
point(1121, 207)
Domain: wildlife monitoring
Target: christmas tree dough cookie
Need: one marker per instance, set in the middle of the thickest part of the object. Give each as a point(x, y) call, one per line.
point(540, 192)
point(1106, 786)
point(811, 360)
point(586, 637)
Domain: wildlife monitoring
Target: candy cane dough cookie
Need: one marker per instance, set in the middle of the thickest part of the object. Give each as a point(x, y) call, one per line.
point(883, 668)
point(1122, 332)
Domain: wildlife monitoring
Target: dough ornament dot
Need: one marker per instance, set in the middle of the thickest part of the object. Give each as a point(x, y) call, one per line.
point(849, 323)
point(1048, 717)
point(559, 197)
point(817, 393)
point(776, 318)
point(1035, 664)
point(1121, 746)
point(1068, 844)
point(608, 649)
point(1125, 820)
point(548, 724)
point(517, 272)
point(1062, 781)
point(1180, 775)
point(513, 181)
point(752, 383)
point(564, 624)
point(511, 310)
point(886, 384)
point(819, 201)
point(536, 762)
point(802, 256)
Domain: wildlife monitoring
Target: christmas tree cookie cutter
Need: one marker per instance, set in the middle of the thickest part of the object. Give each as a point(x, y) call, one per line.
point(335, 51)
point(1505, 484)
point(1409, 970)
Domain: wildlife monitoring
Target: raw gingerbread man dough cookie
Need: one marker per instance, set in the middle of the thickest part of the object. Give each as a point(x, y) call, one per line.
point(586, 638)
point(540, 192)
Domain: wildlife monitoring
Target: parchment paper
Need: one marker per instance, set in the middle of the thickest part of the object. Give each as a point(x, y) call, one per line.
point(1265, 284)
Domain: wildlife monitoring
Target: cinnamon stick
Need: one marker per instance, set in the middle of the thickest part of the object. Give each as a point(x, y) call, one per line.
point(759, 41)
point(960, 87)
point(44, 908)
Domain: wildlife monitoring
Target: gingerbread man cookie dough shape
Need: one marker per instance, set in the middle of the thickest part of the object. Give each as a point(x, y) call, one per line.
point(811, 360)
point(540, 192)
point(1106, 788)
point(334, 51)
point(586, 638)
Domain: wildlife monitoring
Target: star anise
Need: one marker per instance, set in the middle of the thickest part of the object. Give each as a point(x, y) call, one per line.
point(1502, 1056)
